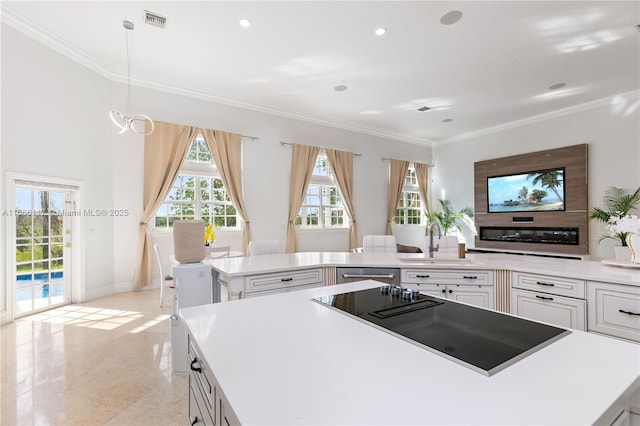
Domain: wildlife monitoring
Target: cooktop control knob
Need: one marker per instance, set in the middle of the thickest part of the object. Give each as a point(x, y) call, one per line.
point(395, 291)
point(407, 294)
point(415, 294)
point(384, 289)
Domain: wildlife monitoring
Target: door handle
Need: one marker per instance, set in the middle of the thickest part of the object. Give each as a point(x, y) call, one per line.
point(544, 298)
point(628, 312)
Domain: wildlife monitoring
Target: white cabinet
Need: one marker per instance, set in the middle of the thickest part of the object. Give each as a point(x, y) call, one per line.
point(258, 285)
point(557, 310)
point(207, 403)
point(554, 300)
point(614, 309)
point(471, 287)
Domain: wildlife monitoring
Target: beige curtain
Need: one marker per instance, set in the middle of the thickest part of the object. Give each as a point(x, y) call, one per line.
point(422, 174)
point(397, 173)
point(303, 158)
point(226, 149)
point(342, 165)
point(164, 152)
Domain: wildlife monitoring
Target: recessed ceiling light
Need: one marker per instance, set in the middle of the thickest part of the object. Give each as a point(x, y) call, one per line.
point(424, 108)
point(340, 88)
point(451, 18)
point(447, 120)
point(245, 22)
point(381, 31)
point(557, 86)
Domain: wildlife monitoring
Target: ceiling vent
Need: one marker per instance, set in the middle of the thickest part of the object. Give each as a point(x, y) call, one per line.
point(155, 19)
point(424, 108)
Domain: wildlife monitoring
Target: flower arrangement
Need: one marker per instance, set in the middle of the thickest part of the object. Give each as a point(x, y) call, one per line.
point(618, 203)
point(621, 227)
point(209, 235)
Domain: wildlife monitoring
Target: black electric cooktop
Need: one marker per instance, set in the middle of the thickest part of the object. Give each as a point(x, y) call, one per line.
point(483, 340)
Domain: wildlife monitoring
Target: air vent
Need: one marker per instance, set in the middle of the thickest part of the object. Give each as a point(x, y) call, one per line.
point(155, 19)
point(424, 108)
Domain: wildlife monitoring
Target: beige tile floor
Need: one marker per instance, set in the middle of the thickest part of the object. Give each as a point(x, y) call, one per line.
point(104, 362)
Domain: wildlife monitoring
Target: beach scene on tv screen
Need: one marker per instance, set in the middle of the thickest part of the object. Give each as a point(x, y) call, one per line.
point(533, 191)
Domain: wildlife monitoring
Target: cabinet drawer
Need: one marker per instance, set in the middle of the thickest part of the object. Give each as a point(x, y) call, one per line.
point(549, 284)
point(201, 381)
point(430, 276)
point(552, 309)
point(283, 280)
point(198, 415)
point(614, 310)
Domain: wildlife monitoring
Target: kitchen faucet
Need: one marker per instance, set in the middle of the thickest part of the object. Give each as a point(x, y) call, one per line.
point(431, 247)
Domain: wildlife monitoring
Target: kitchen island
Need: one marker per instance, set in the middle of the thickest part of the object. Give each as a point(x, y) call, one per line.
point(286, 359)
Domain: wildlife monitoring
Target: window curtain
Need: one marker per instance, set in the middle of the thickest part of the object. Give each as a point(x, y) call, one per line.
point(226, 149)
point(303, 158)
point(422, 175)
point(164, 152)
point(397, 173)
point(342, 165)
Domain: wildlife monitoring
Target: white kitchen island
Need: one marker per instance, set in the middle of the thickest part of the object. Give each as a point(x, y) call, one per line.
point(285, 359)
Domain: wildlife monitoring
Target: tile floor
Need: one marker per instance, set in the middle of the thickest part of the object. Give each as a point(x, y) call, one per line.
point(104, 362)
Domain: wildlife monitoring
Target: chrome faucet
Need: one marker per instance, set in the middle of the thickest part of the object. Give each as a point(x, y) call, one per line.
point(431, 247)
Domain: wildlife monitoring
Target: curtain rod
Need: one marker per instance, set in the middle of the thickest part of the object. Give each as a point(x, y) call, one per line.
point(287, 143)
point(251, 138)
point(389, 159)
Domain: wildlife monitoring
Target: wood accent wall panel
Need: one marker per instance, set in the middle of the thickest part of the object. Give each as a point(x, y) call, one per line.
point(503, 290)
point(574, 160)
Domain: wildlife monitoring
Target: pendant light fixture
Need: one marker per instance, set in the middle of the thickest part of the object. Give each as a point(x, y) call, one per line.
point(136, 122)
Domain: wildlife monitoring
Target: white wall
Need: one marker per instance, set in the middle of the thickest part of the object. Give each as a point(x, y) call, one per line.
point(54, 124)
point(611, 129)
point(266, 167)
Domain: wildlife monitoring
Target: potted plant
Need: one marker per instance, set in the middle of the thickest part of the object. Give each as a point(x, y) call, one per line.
point(448, 220)
point(617, 203)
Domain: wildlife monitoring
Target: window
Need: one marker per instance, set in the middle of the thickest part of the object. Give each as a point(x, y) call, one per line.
point(197, 193)
point(322, 206)
point(410, 210)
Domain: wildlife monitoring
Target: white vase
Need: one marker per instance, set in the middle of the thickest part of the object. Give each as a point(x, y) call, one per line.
point(622, 253)
point(633, 243)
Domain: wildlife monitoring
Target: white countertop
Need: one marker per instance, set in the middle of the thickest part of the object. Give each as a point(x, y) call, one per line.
point(580, 269)
point(284, 359)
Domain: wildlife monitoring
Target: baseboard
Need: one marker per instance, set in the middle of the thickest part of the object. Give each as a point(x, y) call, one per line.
point(126, 287)
point(97, 293)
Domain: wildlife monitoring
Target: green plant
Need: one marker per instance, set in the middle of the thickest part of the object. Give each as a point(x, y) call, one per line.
point(449, 220)
point(618, 202)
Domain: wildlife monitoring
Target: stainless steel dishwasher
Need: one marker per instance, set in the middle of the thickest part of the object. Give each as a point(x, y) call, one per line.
point(384, 275)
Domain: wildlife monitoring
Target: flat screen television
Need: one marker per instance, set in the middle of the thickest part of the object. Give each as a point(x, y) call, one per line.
point(535, 191)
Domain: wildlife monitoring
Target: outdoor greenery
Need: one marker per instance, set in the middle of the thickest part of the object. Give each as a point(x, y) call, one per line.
point(617, 202)
point(449, 220)
point(39, 237)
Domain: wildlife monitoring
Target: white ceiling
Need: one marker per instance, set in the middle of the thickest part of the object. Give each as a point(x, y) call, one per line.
point(491, 69)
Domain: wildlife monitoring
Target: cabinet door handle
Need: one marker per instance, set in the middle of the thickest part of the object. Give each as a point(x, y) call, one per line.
point(286, 279)
point(470, 277)
point(444, 291)
point(195, 420)
point(544, 298)
point(197, 368)
point(370, 276)
point(628, 312)
point(422, 276)
point(547, 284)
point(450, 291)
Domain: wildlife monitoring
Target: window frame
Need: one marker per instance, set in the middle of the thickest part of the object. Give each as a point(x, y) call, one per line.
point(409, 188)
point(323, 181)
point(198, 169)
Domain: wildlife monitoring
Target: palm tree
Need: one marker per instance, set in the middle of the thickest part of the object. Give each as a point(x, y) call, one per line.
point(550, 180)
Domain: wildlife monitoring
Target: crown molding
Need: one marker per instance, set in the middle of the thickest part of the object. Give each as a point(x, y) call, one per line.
point(38, 33)
point(633, 94)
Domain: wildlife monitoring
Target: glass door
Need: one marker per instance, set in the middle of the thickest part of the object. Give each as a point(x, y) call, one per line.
point(42, 278)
